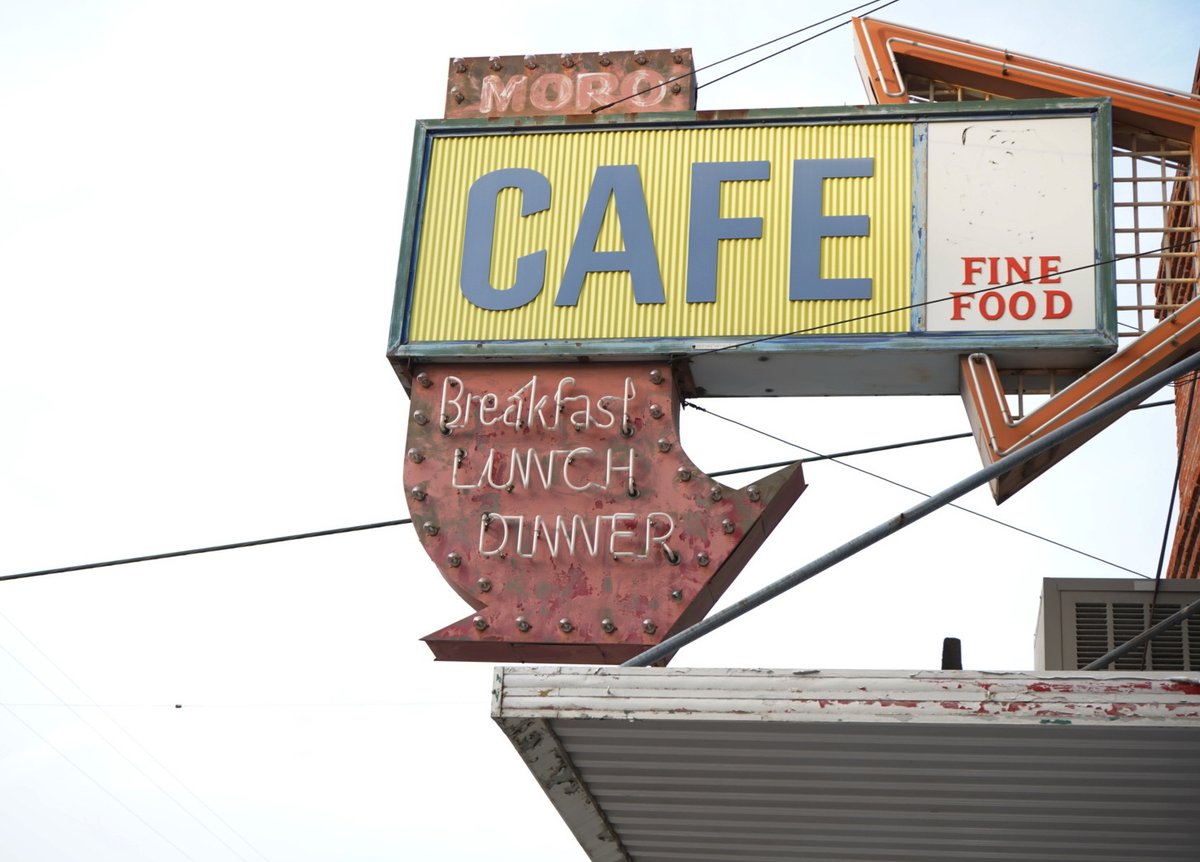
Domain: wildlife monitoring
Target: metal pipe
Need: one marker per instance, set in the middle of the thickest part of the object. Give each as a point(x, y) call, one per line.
point(1116, 404)
point(1149, 634)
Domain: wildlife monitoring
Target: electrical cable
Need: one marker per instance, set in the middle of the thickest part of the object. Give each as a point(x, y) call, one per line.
point(208, 550)
point(728, 472)
point(1162, 551)
point(694, 72)
point(873, 449)
point(921, 493)
point(113, 746)
point(90, 778)
point(796, 45)
point(929, 302)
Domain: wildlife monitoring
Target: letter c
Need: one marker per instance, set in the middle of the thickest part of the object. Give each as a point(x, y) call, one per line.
point(475, 277)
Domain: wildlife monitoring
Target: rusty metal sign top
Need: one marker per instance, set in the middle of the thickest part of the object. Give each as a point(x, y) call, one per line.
point(534, 85)
point(557, 501)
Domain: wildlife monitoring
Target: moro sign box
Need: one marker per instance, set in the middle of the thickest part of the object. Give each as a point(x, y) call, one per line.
point(773, 253)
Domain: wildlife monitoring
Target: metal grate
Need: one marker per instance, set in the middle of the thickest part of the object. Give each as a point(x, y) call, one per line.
point(1102, 626)
point(1153, 217)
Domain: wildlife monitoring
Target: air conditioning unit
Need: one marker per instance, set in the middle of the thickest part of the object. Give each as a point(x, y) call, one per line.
point(1081, 619)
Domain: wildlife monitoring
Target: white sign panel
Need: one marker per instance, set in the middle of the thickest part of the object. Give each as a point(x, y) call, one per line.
point(1010, 207)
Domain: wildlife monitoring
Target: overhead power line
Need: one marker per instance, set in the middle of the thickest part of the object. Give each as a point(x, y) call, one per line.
point(207, 550)
point(318, 533)
point(911, 306)
point(743, 53)
point(818, 456)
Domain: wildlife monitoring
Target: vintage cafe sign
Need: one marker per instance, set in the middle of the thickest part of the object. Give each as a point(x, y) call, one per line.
point(818, 235)
point(563, 286)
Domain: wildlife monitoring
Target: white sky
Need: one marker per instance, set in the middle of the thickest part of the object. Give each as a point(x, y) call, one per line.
point(200, 210)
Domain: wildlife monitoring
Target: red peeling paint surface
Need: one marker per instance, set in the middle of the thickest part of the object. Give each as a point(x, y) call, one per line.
point(556, 501)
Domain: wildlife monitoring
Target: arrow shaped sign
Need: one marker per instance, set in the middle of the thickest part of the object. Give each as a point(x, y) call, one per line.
point(558, 502)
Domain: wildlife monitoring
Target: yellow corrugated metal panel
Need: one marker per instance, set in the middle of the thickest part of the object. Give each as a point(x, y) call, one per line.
point(752, 274)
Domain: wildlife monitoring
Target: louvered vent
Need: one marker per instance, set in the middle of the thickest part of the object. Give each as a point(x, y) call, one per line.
point(1100, 627)
point(1084, 619)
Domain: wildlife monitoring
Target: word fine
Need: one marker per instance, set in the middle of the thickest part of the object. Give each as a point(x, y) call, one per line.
point(622, 186)
point(1051, 304)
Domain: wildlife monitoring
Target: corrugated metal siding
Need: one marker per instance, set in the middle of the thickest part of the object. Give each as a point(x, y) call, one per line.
point(752, 275)
point(755, 766)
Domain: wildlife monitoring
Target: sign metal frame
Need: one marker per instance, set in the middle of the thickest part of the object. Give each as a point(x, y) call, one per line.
point(913, 362)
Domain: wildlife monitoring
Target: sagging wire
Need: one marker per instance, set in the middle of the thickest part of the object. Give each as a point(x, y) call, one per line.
point(694, 72)
point(1162, 551)
point(206, 550)
point(731, 471)
point(929, 302)
point(866, 472)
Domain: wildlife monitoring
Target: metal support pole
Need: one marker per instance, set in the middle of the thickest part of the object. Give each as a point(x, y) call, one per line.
point(1114, 405)
point(1149, 634)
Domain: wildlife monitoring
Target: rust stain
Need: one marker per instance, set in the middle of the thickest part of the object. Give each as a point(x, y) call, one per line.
point(557, 502)
point(533, 85)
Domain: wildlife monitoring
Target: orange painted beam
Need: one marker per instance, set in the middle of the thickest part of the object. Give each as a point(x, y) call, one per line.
point(886, 54)
point(997, 433)
point(886, 51)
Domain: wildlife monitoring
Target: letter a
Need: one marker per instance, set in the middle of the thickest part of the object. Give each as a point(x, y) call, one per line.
point(623, 184)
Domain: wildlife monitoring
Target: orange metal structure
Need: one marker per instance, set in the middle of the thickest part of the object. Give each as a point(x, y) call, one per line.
point(899, 65)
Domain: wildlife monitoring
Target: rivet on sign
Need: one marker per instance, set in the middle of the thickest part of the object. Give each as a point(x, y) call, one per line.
point(727, 525)
point(677, 57)
point(459, 65)
point(656, 376)
point(454, 559)
point(424, 380)
point(480, 623)
point(684, 474)
point(485, 586)
point(649, 627)
point(530, 63)
point(715, 494)
point(640, 59)
point(605, 60)
point(418, 492)
point(754, 494)
point(523, 624)
point(664, 445)
point(494, 64)
point(608, 625)
point(677, 595)
point(565, 625)
point(676, 89)
point(457, 94)
point(656, 411)
point(431, 528)
point(420, 418)
point(415, 456)
point(568, 61)
point(702, 559)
